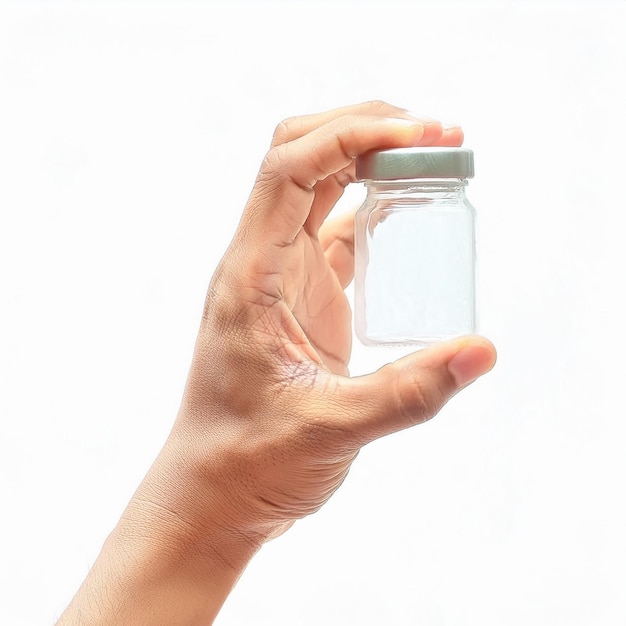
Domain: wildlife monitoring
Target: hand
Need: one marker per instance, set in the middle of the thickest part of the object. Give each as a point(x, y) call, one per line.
point(270, 422)
point(268, 394)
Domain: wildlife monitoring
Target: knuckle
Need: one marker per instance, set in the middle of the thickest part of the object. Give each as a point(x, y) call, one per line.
point(220, 318)
point(274, 170)
point(280, 166)
point(214, 302)
point(379, 107)
point(418, 399)
point(274, 163)
point(283, 131)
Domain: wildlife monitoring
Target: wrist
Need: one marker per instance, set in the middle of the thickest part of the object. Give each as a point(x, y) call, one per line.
point(186, 515)
point(171, 559)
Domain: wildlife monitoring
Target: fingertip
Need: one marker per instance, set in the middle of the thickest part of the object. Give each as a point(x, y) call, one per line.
point(475, 357)
point(416, 129)
point(451, 136)
point(433, 130)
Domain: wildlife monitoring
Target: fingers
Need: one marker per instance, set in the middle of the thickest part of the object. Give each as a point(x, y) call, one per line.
point(296, 127)
point(435, 134)
point(329, 190)
point(336, 237)
point(451, 137)
point(411, 390)
point(316, 153)
point(283, 195)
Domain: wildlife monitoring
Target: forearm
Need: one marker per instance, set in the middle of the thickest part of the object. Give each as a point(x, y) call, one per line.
point(157, 568)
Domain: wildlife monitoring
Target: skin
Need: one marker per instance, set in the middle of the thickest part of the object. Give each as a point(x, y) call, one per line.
point(270, 421)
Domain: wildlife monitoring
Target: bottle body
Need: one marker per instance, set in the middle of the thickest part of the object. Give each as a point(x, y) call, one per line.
point(415, 259)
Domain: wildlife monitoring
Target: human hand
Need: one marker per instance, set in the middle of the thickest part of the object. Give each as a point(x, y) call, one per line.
point(270, 421)
point(268, 393)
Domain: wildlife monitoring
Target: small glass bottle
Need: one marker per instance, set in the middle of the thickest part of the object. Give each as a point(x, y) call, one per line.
point(415, 247)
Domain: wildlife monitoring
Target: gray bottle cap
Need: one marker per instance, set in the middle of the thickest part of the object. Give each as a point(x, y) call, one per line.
point(406, 163)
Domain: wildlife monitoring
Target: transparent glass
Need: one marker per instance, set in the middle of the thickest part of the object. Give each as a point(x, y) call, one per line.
point(415, 260)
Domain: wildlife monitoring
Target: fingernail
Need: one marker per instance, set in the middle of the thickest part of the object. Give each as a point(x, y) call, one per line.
point(417, 129)
point(450, 125)
point(470, 363)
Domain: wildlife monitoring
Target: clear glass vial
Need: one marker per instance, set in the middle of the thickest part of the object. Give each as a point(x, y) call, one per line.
point(415, 247)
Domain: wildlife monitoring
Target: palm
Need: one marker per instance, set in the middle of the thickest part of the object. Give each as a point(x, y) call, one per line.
point(315, 296)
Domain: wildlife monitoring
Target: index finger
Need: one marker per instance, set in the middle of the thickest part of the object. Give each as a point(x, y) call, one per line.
point(283, 194)
point(296, 127)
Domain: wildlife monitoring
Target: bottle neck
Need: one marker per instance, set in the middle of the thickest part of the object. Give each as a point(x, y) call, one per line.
point(415, 187)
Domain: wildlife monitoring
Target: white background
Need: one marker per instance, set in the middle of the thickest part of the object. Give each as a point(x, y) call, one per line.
point(130, 135)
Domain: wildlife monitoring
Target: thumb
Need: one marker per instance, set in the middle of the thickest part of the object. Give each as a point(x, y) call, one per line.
point(412, 389)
